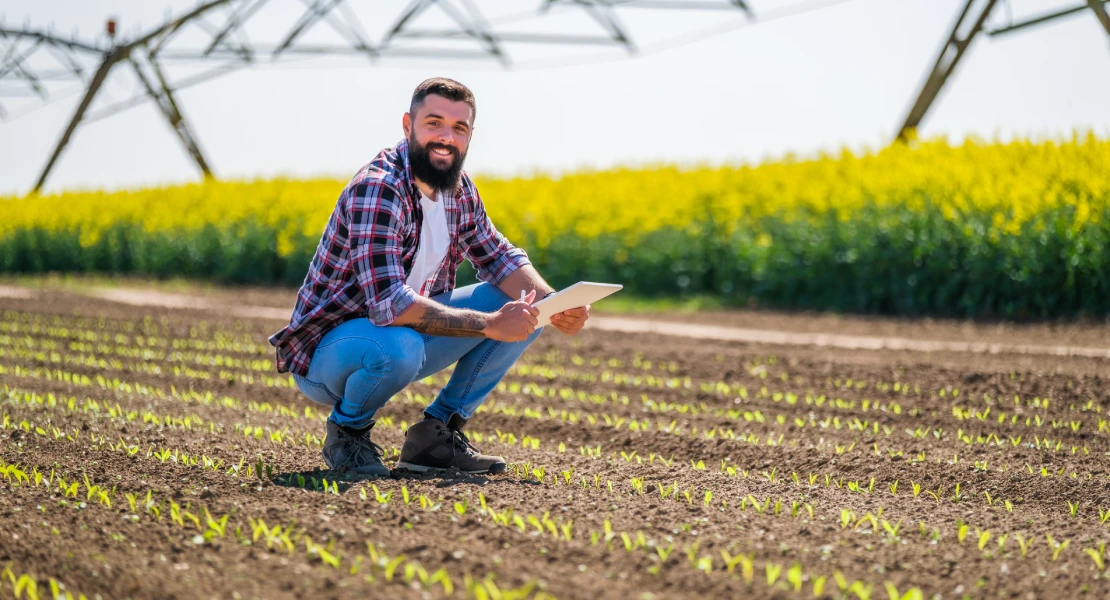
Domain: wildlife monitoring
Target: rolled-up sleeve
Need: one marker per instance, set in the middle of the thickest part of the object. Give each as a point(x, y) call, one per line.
point(376, 251)
point(493, 256)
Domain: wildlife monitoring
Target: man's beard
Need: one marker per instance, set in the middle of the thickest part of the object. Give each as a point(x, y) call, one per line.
point(442, 180)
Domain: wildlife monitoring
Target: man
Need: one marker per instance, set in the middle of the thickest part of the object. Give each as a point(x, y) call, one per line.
point(379, 309)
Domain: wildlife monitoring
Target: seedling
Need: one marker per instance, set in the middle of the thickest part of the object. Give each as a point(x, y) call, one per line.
point(1096, 555)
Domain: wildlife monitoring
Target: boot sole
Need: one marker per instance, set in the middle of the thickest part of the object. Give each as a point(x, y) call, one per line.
point(415, 468)
point(349, 472)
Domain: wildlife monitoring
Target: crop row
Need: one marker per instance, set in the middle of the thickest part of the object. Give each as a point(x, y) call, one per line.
point(176, 456)
point(375, 565)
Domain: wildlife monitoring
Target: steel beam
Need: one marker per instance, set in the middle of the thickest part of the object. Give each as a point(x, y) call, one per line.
point(167, 105)
point(110, 60)
point(953, 49)
point(1099, 8)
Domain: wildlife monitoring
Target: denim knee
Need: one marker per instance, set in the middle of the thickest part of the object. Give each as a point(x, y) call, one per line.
point(490, 298)
point(317, 392)
point(403, 353)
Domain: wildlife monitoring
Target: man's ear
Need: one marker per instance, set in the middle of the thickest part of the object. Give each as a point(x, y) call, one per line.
point(406, 125)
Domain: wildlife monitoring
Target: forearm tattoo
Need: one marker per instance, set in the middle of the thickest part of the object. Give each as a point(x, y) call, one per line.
point(435, 322)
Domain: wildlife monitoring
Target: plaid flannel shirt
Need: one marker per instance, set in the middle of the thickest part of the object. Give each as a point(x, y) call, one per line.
point(367, 249)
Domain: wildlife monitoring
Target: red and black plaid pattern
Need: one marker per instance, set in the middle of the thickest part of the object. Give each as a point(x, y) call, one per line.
point(367, 249)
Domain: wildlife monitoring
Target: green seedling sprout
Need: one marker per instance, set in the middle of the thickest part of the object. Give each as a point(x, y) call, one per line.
point(892, 530)
point(773, 571)
point(628, 544)
point(984, 537)
point(794, 577)
point(379, 496)
point(1057, 547)
point(861, 590)
point(638, 485)
point(692, 552)
point(961, 531)
point(730, 560)
point(1097, 556)
point(566, 529)
point(1024, 544)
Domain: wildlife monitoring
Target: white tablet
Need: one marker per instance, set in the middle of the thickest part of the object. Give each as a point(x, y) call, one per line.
point(579, 294)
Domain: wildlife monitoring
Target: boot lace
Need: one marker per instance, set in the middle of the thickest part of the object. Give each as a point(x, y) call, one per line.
point(461, 443)
point(357, 445)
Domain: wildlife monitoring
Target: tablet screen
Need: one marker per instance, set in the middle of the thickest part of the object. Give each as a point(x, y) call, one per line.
point(579, 294)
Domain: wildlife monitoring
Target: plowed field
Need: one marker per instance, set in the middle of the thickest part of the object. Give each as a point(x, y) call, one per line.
point(152, 452)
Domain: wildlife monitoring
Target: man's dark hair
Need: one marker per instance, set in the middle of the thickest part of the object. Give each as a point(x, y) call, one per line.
point(448, 88)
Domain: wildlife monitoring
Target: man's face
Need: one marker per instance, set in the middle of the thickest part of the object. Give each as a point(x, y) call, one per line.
point(439, 135)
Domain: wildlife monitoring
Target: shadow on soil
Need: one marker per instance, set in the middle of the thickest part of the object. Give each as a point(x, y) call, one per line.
point(325, 481)
point(316, 480)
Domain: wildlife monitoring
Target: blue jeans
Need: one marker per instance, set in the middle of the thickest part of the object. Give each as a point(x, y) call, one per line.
point(358, 366)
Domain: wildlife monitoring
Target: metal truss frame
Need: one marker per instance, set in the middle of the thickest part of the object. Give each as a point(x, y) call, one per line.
point(970, 22)
point(226, 47)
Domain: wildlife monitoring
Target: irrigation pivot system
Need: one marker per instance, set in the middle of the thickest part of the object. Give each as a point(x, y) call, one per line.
point(216, 37)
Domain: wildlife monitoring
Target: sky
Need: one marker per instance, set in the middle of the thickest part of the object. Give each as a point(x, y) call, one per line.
point(705, 87)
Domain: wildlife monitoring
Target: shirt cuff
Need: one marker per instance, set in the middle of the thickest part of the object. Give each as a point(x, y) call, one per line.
point(512, 260)
point(386, 311)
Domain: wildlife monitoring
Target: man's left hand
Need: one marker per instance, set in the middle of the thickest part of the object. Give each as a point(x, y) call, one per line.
point(571, 321)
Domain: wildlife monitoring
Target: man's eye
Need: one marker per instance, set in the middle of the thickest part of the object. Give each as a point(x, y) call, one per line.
point(433, 123)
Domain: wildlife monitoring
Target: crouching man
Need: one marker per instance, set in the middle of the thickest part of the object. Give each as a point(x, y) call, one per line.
point(379, 309)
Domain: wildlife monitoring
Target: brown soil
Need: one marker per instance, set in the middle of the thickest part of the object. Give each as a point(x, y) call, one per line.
point(863, 431)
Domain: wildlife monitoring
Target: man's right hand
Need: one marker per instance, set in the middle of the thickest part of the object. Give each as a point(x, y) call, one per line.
point(514, 322)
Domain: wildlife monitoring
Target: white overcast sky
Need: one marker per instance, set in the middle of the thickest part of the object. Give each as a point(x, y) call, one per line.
point(705, 88)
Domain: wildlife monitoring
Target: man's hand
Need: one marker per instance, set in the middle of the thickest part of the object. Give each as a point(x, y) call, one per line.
point(514, 322)
point(571, 321)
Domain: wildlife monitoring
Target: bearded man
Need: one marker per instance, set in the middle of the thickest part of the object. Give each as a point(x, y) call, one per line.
point(379, 308)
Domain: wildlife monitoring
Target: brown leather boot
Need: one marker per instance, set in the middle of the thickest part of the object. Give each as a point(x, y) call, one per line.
point(431, 444)
point(351, 451)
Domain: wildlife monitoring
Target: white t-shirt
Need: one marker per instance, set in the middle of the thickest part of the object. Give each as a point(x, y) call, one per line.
point(434, 240)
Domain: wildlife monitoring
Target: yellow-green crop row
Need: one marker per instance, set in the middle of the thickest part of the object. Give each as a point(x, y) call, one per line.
point(1016, 228)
